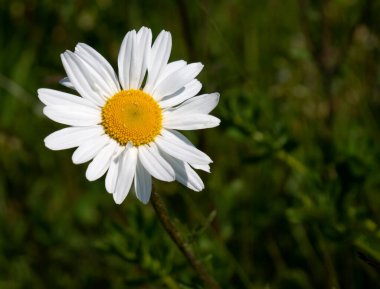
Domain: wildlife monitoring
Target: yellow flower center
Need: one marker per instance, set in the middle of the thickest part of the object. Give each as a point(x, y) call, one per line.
point(132, 116)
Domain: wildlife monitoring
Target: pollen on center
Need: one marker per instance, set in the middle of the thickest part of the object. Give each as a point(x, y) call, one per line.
point(132, 116)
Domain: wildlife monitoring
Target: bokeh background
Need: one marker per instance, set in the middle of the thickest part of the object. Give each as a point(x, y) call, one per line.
point(293, 200)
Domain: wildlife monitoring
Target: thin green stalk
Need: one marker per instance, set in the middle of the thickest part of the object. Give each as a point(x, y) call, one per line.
point(184, 247)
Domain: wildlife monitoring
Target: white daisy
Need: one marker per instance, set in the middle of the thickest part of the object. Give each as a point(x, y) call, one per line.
point(126, 123)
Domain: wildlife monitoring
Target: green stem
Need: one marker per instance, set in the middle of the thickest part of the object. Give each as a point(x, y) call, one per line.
point(184, 247)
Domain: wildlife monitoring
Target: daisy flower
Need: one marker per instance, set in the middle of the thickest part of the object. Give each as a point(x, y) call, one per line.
point(127, 123)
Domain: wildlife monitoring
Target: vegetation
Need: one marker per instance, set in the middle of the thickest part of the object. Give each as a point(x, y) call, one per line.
point(293, 198)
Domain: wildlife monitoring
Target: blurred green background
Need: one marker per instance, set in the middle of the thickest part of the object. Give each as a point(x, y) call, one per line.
point(293, 199)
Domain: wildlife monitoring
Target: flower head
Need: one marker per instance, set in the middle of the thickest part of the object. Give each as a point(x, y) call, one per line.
point(127, 123)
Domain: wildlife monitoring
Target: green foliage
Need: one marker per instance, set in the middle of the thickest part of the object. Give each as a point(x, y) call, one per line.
point(293, 198)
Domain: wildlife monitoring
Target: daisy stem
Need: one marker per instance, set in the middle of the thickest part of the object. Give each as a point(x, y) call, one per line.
point(183, 246)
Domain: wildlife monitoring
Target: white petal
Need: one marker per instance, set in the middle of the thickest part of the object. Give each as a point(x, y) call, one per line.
point(113, 172)
point(70, 137)
point(80, 78)
point(171, 68)
point(157, 59)
point(179, 149)
point(189, 121)
point(185, 174)
point(127, 169)
point(200, 104)
point(179, 135)
point(97, 81)
point(189, 90)
point(101, 162)
point(177, 80)
point(99, 63)
point(205, 168)
point(139, 59)
point(76, 115)
point(122, 148)
point(55, 97)
point(66, 82)
point(97, 78)
point(143, 183)
point(155, 164)
point(125, 58)
point(88, 149)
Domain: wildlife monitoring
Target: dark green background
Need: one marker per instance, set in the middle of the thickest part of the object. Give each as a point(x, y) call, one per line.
point(293, 199)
